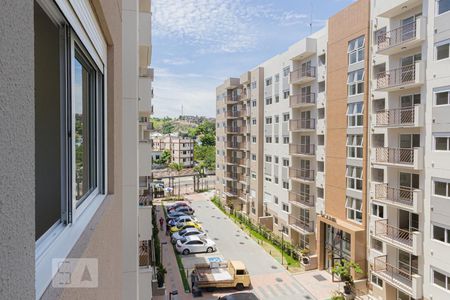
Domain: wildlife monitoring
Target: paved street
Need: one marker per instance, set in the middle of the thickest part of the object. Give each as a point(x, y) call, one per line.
point(269, 279)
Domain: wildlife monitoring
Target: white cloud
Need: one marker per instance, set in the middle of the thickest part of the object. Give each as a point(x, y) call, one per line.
point(176, 61)
point(225, 26)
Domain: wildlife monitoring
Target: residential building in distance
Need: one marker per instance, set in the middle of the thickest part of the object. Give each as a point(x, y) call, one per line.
point(181, 148)
point(76, 101)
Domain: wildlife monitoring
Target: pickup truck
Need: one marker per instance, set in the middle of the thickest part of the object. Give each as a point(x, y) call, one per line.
point(231, 274)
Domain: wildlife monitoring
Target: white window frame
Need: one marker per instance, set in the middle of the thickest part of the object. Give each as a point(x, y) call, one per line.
point(446, 240)
point(441, 180)
point(354, 115)
point(353, 179)
point(437, 9)
point(355, 79)
point(439, 44)
point(378, 206)
point(268, 81)
point(435, 137)
point(356, 47)
point(351, 207)
point(286, 71)
point(268, 120)
point(285, 207)
point(439, 91)
point(353, 146)
point(447, 279)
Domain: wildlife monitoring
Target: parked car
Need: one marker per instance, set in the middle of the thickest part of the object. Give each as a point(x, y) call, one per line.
point(187, 232)
point(194, 244)
point(176, 205)
point(173, 215)
point(183, 218)
point(185, 209)
point(184, 225)
point(239, 296)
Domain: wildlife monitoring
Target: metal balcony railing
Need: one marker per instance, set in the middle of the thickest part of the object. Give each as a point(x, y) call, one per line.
point(404, 196)
point(393, 274)
point(145, 200)
point(395, 116)
point(404, 156)
point(231, 191)
point(302, 73)
point(397, 36)
point(305, 149)
point(304, 174)
point(236, 113)
point(302, 198)
point(394, 234)
point(302, 99)
point(234, 129)
point(236, 145)
point(144, 253)
point(396, 77)
point(302, 124)
point(303, 224)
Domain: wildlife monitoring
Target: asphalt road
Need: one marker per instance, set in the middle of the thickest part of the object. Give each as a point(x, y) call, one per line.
point(269, 279)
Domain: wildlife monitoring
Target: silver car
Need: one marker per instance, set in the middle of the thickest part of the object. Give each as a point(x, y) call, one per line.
point(187, 232)
point(194, 244)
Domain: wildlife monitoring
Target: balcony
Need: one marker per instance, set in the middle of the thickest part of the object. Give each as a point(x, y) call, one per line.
point(402, 38)
point(302, 75)
point(407, 240)
point(405, 77)
point(400, 117)
point(302, 125)
point(244, 96)
point(400, 157)
point(236, 161)
point(301, 199)
point(145, 253)
point(301, 174)
point(235, 130)
point(231, 192)
point(393, 8)
point(302, 100)
point(398, 278)
point(301, 225)
point(306, 149)
point(145, 222)
point(404, 198)
point(237, 145)
point(232, 99)
point(236, 114)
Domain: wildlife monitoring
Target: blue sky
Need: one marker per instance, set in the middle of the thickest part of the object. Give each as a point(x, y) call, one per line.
point(199, 43)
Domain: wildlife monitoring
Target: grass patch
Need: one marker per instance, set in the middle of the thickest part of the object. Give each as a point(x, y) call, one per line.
point(291, 261)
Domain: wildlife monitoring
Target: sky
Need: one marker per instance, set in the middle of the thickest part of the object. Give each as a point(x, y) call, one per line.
point(197, 44)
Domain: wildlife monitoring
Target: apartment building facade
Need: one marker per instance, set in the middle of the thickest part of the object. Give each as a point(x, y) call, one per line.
point(409, 158)
point(75, 87)
point(181, 149)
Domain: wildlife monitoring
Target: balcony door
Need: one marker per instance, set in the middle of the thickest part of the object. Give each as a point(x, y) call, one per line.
point(305, 143)
point(408, 28)
point(407, 263)
point(407, 72)
point(305, 167)
point(407, 104)
point(305, 117)
point(306, 69)
point(408, 183)
point(408, 221)
point(409, 141)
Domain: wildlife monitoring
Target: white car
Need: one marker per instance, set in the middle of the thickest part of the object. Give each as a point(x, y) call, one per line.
point(182, 219)
point(187, 232)
point(194, 244)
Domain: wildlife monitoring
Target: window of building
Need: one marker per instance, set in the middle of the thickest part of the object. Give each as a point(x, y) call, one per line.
point(355, 82)
point(275, 179)
point(441, 279)
point(268, 100)
point(320, 140)
point(441, 188)
point(277, 98)
point(443, 98)
point(320, 166)
point(320, 193)
point(276, 159)
point(275, 199)
point(377, 280)
point(286, 117)
point(441, 234)
point(268, 179)
point(254, 103)
point(285, 230)
point(268, 158)
point(285, 162)
point(277, 77)
point(285, 207)
point(321, 113)
point(277, 119)
point(253, 85)
point(356, 50)
point(285, 140)
point(254, 121)
point(285, 94)
point(443, 50)
point(443, 6)
point(354, 209)
point(268, 81)
point(277, 140)
point(322, 60)
point(286, 184)
point(378, 211)
point(253, 139)
point(354, 178)
point(355, 146)
point(268, 120)
point(442, 143)
point(268, 139)
point(376, 244)
point(254, 157)
point(355, 114)
point(253, 175)
point(286, 71)
point(321, 86)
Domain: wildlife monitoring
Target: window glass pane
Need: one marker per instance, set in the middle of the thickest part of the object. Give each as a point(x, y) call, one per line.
point(439, 279)
point(84, 123)
point(442, 51)
point(440, 188)
point(441, 143)
point(439, 233)
point(442, 98)
point(444, 6)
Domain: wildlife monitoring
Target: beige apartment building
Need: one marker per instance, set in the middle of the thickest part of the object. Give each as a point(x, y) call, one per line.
point(76, 100)
point(181, 149)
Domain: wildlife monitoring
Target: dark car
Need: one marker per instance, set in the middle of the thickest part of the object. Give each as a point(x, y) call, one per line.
point(185, 209)
point(239, 296)
point(173, 215)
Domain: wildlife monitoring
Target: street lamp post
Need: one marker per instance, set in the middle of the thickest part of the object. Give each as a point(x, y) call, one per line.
point(282, 244)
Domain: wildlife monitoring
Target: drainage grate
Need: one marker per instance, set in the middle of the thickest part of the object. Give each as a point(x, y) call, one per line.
point(242, 243)
point(278, 279)
point(274, 267)
point(307, 297)
point(216, 239)
point(319, 278)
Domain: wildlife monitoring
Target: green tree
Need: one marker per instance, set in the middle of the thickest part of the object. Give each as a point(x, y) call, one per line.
point(178, 168)
point(166, 157)
point(205, 155)
point(208, 139)
point(167, 127)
